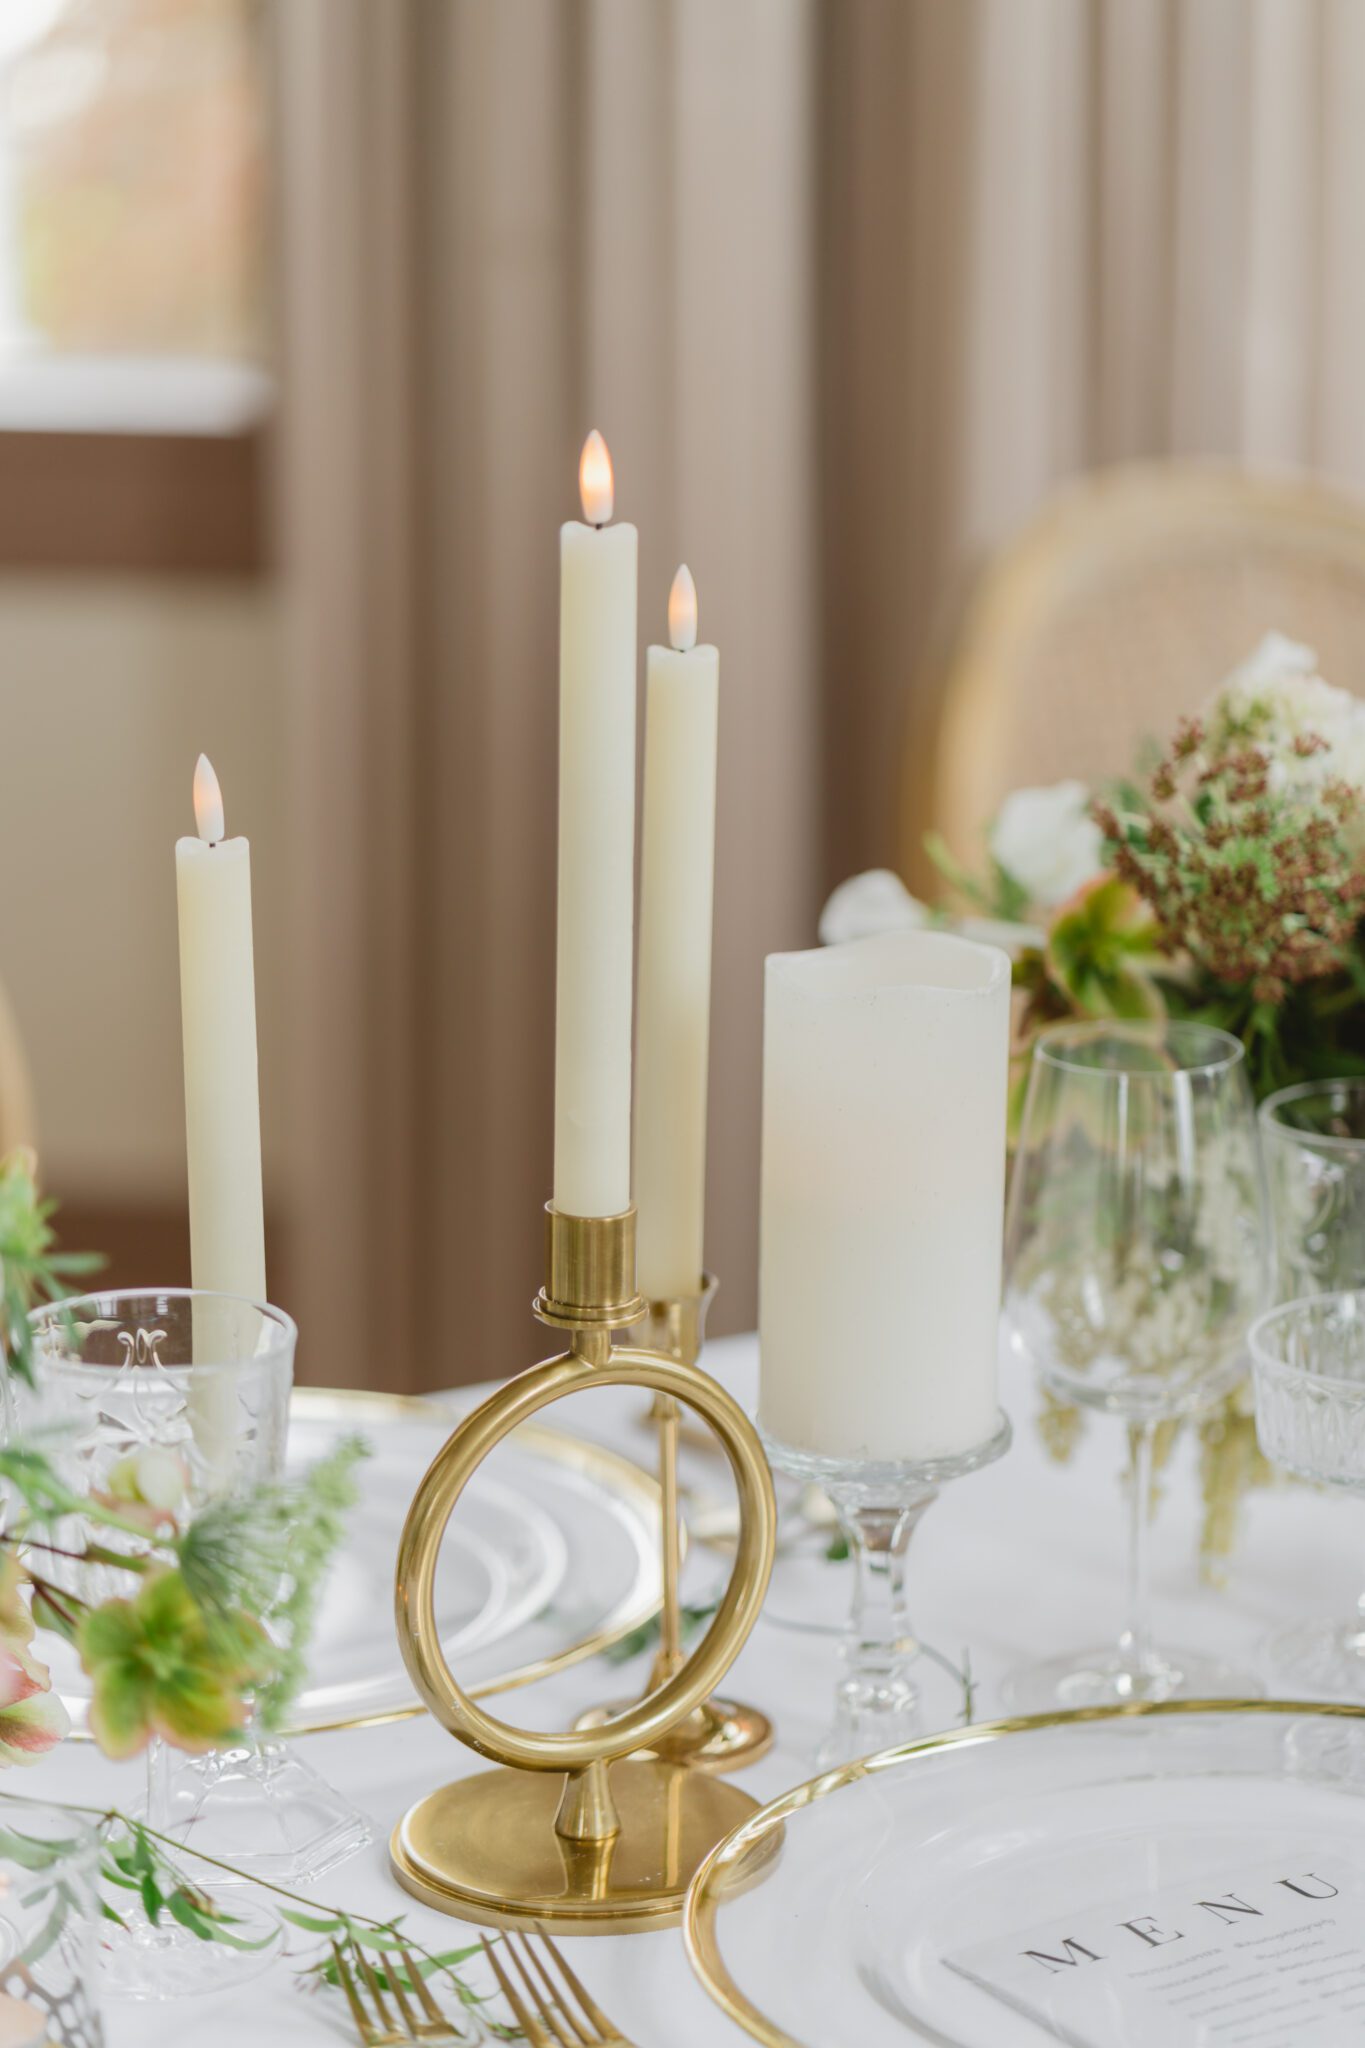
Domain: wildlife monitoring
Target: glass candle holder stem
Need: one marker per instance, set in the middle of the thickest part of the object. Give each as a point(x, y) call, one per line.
point(158, 1813)
point(879, 1646)
point(1135, 1643)
point(880, 1504)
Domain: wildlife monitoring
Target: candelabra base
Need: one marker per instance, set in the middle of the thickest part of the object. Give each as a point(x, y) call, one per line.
point(719, 1735)
point(486, 1850)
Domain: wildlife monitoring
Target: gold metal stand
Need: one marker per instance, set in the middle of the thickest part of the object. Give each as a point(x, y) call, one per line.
point(591, 1831)
point(720, 1734)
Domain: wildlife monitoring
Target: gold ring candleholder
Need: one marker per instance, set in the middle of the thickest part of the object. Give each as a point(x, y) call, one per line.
point(720, 1734)
point(590, 1832)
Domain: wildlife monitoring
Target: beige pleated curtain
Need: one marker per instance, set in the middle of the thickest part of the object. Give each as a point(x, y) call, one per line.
point(848, 285)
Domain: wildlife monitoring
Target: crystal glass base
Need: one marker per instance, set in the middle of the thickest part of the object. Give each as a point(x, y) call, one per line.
point(1110, 1678)
point(1328, 1751)
point(141, 1961)
point(1326, 1657)
point(879, 1505)
point(264, 1809)
point(871, 1717)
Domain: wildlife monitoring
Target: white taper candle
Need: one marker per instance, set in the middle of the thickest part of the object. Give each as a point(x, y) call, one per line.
point(676, 886)
point(593, 1004)
point(218, 1018)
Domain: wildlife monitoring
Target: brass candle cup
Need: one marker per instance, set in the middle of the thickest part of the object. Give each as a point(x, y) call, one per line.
point(579, 1831)
point(720, 1734)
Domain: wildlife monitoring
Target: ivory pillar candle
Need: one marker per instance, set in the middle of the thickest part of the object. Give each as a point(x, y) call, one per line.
point(884, 1084)
point(676, 879)
point(593, 1001)
point(218, 1019)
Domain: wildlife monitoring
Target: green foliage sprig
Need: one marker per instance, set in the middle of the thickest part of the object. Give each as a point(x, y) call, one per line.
point(31, 1271)
point(137, 1859)
point(179, 1656)
point(267, 1551)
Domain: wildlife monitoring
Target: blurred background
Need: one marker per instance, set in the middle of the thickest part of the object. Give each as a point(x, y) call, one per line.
point(305, 309)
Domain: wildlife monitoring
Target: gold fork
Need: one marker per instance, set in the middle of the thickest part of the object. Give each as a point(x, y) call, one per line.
point(382, 2030)
point(550, 2019)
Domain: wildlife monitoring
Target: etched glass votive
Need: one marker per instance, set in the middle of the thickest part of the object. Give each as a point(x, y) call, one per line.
point(49, 1909)
point(1308, 1364)
point(192, 1387)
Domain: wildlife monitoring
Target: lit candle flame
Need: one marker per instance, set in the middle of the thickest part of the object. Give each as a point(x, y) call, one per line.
point(208, 802)
point(596, 486)
point(682, 611)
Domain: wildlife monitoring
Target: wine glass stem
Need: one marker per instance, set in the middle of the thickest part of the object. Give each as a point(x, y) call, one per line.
point(1135, 1644)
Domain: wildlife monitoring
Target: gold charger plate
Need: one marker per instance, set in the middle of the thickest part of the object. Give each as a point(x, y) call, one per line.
point(826, 1917)
point(553, 1558)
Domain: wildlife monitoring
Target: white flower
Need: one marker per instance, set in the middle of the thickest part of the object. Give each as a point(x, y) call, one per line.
point(1047, 841)
point(878, 901)
point(1279, 688)
point(869, 904)
point(1275, 660)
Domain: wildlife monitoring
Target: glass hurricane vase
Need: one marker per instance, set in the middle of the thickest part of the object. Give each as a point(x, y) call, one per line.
point(1134, 1252)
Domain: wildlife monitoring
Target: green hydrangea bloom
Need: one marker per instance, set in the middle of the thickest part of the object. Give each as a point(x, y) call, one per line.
point(159, 1666)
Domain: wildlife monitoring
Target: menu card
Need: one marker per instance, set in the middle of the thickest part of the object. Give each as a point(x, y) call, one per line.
point(1265, 1957)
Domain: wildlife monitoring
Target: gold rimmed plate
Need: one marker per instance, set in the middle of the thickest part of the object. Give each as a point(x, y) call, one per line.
point(902, 1879)
point(553, 1557)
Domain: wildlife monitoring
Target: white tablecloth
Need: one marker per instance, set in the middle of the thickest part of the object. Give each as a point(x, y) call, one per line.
point(1021, 1559)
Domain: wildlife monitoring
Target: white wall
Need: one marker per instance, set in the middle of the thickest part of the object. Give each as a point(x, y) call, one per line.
point(108, 691)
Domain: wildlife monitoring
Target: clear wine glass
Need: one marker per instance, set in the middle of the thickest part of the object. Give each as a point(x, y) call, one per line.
point(1313, 1139)
point(1134, 1262)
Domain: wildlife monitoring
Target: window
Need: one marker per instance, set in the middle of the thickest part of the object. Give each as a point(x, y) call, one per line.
point(134, 313)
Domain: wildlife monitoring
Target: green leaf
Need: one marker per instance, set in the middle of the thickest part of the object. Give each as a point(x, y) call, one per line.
point(222, 1933)
point(182, 1908)
point(50, 1933)
point(30, 1853)
point(310, 1924)
point(966, 884)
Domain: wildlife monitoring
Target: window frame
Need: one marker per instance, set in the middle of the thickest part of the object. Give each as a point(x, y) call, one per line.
point(167, 504)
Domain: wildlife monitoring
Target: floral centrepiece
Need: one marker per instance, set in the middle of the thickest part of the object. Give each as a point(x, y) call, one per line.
point(1225, 883)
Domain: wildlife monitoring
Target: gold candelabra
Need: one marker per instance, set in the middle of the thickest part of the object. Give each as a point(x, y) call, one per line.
point(599, 1830)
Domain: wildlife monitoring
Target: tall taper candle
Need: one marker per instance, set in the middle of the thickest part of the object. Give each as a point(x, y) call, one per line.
point(676, 876)
point(597, 599)
point(884, 1082)
point(218, 1018)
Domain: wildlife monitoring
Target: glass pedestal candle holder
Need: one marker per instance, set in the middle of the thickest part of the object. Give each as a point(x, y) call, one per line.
point(880, 1506)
